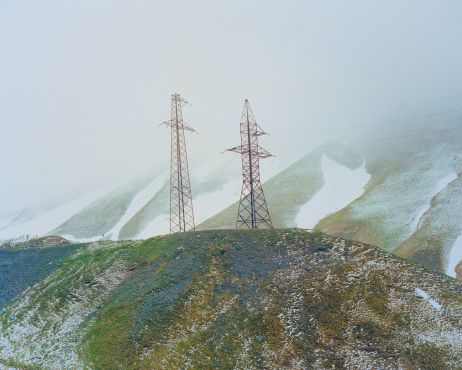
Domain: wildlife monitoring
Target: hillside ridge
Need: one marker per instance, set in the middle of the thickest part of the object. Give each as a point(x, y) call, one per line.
point(226, 299)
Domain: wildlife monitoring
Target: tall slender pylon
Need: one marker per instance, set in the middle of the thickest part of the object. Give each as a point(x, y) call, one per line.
point(253, 211)
point(181, 207)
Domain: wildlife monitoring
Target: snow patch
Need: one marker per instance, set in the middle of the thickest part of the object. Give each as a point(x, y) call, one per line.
point(137, 203)
point(342, 185)
point(209, 204)
point(73, 239)
point(430, 300)
point(440, 186)
point(206, 204)
point(455, 256)
point(159, 226)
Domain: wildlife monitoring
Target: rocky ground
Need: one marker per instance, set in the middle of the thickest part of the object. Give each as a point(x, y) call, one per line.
point(50, 240)
point(228, 299)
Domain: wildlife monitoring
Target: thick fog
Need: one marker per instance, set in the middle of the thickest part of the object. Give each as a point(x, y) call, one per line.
point(85, 84)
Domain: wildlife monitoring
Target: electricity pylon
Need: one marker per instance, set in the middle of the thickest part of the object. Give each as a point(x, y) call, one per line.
point(253, 211)
point(181, 207)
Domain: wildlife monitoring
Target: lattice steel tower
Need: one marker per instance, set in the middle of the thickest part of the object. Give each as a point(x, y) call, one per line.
point(181, 207)
point(253, 211)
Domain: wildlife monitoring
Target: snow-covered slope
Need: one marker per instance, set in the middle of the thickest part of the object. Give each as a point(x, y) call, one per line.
point(137, 209)
point(285, 193)
point(455, 257)
point(404, 197)
point(341, 186)
point(137, 203)
point(34, 222)
point(439, 187)
point(412, 203)
point(101, 216)
point(213, 185)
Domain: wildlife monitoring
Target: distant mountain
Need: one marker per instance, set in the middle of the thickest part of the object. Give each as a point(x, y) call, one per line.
point(403, 194)
point(137, 209)
point(231, 299)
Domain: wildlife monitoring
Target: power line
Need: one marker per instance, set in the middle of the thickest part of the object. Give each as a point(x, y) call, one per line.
point(364, 156)
point(380, 123)
point(377, 140)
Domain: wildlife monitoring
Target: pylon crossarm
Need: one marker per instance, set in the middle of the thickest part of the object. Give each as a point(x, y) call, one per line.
point(188, 128)
point(258, 131)
point(263, 153)
point(237, 149)
point(166, 123)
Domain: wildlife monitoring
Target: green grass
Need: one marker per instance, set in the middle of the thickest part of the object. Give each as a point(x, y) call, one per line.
point(247, 299)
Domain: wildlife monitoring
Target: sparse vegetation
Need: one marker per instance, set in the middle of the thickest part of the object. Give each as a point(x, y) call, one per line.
point(229, 299)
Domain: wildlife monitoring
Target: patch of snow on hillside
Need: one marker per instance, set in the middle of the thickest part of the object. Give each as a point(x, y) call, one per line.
point(137, 203)
point(73, 239)
point(209, 204)
point(50, 220)
point(427, 298)
point(205, 206)
point(225, 171)
point(455, 256)
point(341, 186)
point(440, 186)
point(159, 226)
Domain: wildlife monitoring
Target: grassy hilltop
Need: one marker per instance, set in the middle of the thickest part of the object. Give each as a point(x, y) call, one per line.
point(234, 299)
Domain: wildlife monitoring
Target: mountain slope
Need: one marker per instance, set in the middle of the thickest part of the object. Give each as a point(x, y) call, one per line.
point(409, 206)
point(438, 229)
point(226, 299)
point(137, 209)
point(283, 197)
point(99, 217)
point(288, 191)
point(403, 195)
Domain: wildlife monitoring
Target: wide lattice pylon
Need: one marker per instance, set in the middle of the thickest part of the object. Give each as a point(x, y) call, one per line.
point(253, 211)
point(181, 206)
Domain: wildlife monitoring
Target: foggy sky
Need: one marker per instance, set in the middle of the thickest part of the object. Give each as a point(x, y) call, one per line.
point(84, 84)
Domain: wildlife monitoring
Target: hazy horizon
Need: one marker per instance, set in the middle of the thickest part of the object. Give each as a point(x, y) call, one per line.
point(84, 85)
